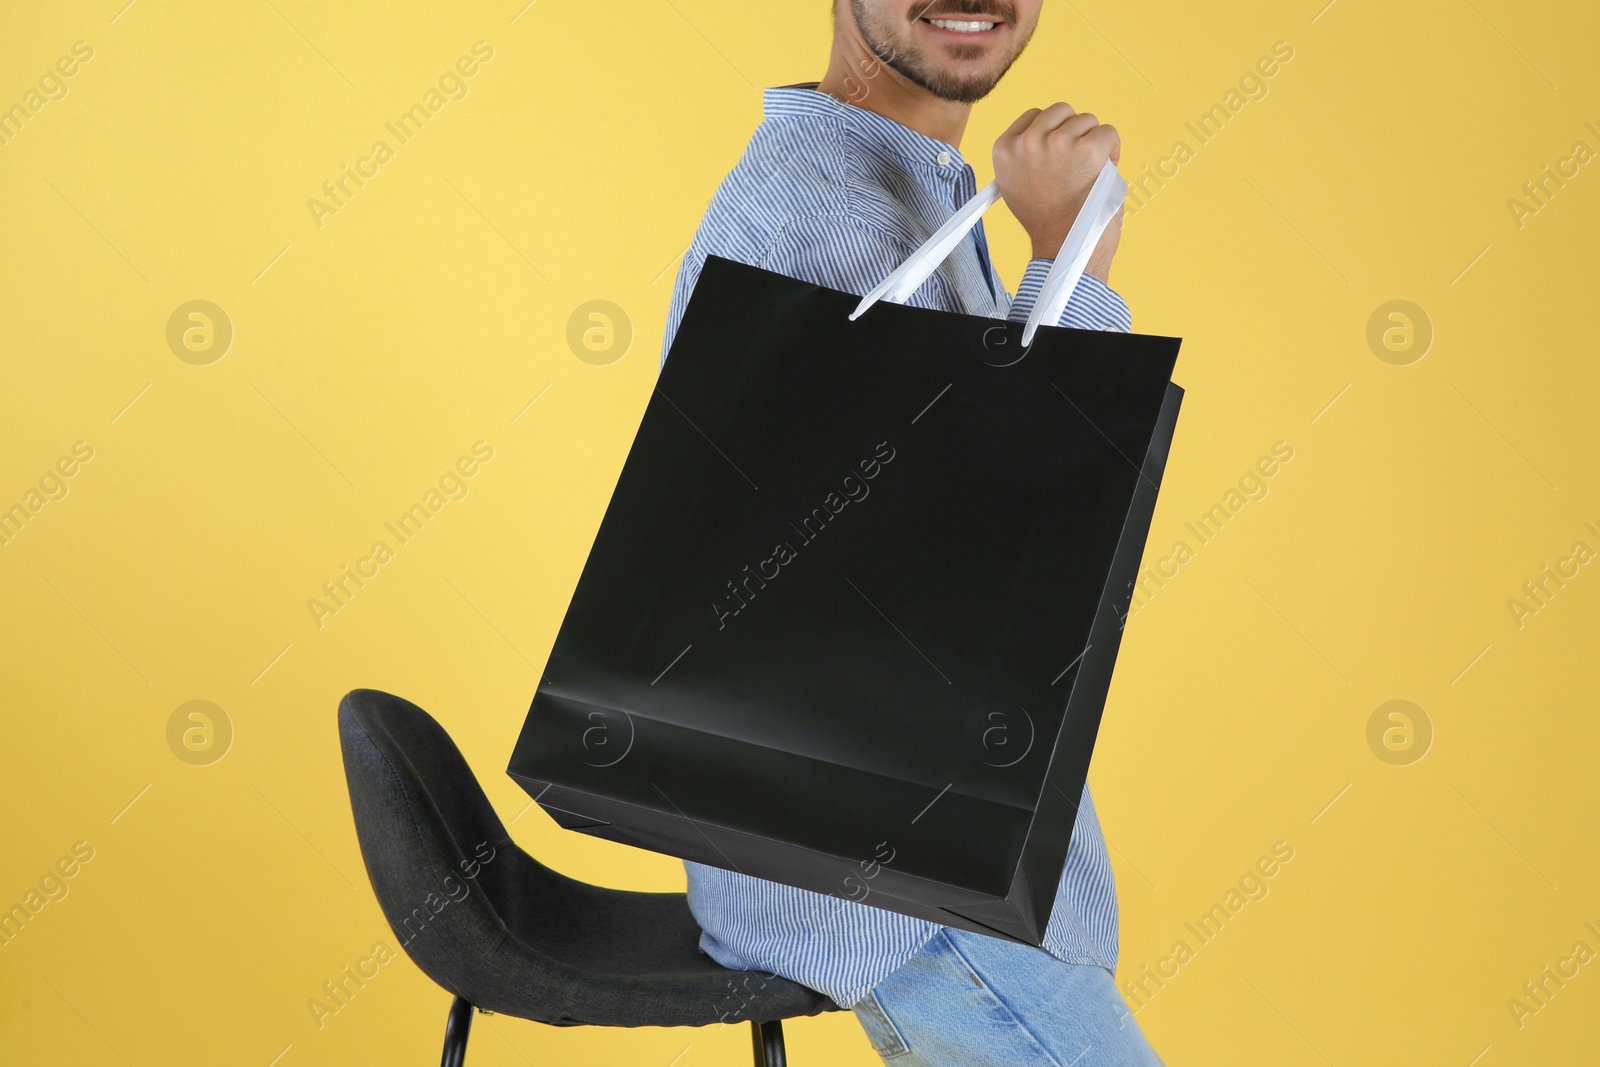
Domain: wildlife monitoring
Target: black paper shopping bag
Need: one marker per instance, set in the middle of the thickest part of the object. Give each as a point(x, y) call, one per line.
point(850, 619)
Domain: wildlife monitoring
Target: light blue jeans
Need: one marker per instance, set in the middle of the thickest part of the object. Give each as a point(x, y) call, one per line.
point(967, 999)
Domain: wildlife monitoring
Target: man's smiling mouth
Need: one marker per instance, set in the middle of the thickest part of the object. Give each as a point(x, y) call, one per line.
point(961, 25)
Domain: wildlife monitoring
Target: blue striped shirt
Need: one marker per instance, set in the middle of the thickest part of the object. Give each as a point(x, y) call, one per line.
point(839, 196)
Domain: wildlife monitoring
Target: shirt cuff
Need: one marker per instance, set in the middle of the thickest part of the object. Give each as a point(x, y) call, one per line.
point(1093, 305)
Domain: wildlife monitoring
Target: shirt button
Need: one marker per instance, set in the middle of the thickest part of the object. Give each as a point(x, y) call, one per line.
point(943, 159)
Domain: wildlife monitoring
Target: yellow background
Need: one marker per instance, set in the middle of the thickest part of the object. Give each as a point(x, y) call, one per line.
point(371, 352)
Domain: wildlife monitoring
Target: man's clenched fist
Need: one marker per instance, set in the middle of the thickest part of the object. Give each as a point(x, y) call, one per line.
point(1045, 164)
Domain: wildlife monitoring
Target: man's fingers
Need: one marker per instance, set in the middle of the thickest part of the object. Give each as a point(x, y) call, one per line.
point(1060, 120)
point(1051, 117)
point(1023, 122)
point(1008, 141)
point(1045, 162)
point(1101, 140)
point(1106, 138)
point(1075, 126)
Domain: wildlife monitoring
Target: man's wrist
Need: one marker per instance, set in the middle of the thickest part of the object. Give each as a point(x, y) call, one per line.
point(1093, 269)
point(1094, 304)
point(1105, 305)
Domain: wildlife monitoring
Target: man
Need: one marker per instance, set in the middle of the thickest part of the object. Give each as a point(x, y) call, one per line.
point(840, 183)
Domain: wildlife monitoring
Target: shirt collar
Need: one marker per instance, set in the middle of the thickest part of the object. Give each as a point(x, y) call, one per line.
point(884, 134)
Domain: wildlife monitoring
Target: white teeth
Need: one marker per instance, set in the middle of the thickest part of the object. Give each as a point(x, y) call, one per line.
point(962, 27)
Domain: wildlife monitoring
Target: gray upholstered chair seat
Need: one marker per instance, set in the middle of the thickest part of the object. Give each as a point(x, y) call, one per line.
point(507, 934)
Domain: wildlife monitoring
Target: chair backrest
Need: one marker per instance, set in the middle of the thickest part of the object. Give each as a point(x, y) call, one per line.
point(437, 854)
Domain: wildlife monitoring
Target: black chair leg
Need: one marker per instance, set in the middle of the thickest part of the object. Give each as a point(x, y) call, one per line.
point(768, 1041)
point(456, 1030)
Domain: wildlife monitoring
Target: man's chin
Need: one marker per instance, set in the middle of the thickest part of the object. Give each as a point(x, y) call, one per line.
point(966, 96)
point(957, 90)
point(958, 79)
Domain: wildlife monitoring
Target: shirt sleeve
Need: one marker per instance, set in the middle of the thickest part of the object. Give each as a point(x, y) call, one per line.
point(1093, 305)
point(845, 253)
point(838, 251)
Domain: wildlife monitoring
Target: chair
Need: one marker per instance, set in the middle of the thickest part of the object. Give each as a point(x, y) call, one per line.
point(505, 934)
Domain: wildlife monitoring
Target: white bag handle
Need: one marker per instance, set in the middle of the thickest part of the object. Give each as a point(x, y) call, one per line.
point(1105, 197)
point(909, 276)
point(1104, 200)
